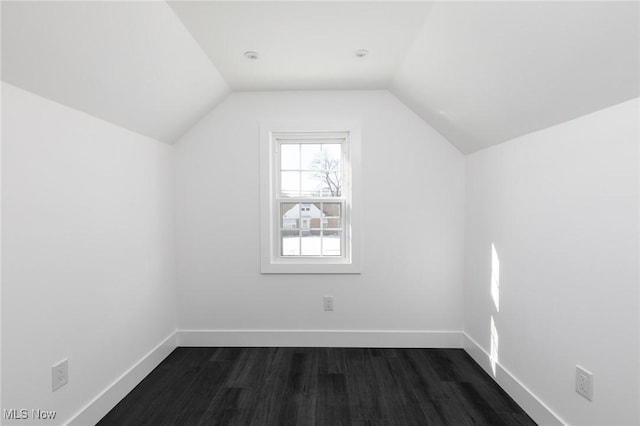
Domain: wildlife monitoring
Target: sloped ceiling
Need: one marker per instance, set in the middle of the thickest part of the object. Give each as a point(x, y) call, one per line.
point(479, 72)
point(131, 63)
point(482, 73)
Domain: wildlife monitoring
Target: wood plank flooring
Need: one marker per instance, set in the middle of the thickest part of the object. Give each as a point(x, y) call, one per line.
point(317, 386)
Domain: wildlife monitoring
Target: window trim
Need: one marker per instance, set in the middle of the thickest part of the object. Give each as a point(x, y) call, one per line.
point(271, 261)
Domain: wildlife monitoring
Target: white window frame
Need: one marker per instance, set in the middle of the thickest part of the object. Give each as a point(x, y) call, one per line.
point(272, 262)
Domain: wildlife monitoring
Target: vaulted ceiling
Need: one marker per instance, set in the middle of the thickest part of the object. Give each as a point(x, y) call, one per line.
point(131, 63)
point(479, 72)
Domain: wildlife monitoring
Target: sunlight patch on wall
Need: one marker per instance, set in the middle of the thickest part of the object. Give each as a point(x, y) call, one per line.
point(493, 356)
point(495, 277)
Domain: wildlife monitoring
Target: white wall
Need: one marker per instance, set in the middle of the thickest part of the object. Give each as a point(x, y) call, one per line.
point(561, 207)
point(87, 244)
point(87, 252)
point(413, 197)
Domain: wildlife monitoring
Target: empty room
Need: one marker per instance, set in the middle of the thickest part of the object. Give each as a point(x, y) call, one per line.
point(320, 213)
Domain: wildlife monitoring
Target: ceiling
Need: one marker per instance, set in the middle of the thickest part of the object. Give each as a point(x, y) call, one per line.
point(131, 63)
point(304, 45)
point(483, 73)
point(479, 72)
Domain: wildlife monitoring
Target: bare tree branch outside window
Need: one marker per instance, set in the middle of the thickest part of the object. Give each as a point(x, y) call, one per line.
point(328, 169)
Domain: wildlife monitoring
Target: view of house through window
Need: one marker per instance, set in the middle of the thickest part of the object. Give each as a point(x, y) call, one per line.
point(310, 198)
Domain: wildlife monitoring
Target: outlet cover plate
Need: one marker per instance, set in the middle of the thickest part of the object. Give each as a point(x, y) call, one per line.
point(327, 303)
point(584, 383)
point(60, 375)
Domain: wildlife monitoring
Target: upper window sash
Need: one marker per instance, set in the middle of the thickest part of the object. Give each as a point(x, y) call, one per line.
point(301, 166)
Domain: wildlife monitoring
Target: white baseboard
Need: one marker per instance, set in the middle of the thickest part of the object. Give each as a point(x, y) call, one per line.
point(529, 402)
point(103, 403)
point(321, 338)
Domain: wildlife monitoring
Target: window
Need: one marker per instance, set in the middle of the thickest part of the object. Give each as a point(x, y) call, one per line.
point(310, 197)
point(308, 210)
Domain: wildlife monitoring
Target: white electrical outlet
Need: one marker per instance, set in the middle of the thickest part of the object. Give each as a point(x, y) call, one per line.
point(327, 302)
point(584, 383)
point(60, 374)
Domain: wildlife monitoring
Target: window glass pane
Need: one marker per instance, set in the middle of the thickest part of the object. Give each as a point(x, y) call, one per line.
point(307, 212)
point(311, 155)
point(331, 183)
point(332, 215)
point(316, 215)
point(289, 216)
point(331, 243)
point(321, 184)
point(333, 153)
point(290, 156)
point(311, 184)
point(290, 243)
point(300, 216)
point(311, 242)
point(290, 184)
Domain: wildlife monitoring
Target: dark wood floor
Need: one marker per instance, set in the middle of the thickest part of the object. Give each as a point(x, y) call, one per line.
point(317, 386)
